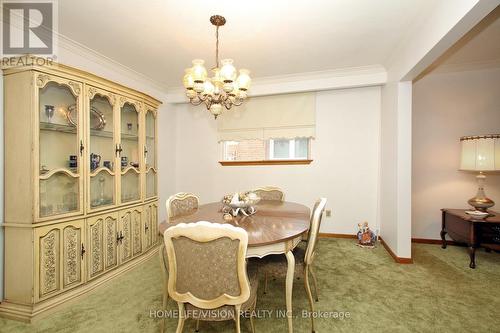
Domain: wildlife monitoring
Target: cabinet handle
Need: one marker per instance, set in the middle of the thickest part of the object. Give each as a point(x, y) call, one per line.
point(118, 150)
point(82, 147)
point(146, 228)
point(119, 237)
point(83, 251)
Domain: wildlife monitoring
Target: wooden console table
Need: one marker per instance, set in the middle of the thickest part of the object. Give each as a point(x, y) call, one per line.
point(463, 228)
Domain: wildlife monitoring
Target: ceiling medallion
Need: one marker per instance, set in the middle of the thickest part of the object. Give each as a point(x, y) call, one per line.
point(225, 88)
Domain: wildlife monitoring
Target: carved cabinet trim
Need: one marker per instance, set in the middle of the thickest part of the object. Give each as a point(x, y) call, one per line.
point(102, 240)
point(131, 228)
point(58, 258)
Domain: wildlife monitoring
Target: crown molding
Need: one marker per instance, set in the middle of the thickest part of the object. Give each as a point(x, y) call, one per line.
point(74, 47)
point(344, 78)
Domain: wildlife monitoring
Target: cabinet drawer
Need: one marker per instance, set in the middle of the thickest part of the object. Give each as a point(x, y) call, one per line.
point(489, 233)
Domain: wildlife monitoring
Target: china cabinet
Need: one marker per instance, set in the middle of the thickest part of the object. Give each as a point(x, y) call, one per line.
point(80, 184)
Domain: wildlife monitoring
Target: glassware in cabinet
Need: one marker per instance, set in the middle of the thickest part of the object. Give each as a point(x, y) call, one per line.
point(101, 153)
point(60, 146)
point(129, 152)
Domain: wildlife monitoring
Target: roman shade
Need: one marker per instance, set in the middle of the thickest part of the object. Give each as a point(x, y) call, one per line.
point(270, 117)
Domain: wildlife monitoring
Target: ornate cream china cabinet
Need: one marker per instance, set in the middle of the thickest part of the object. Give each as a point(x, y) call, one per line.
point(80, 184)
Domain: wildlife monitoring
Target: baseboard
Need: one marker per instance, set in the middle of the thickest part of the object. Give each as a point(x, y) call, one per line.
point(434, 241)
point(329, 235)
point(397, 259)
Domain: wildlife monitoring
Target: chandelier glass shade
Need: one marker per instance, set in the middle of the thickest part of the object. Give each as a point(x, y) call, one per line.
point(226, 87)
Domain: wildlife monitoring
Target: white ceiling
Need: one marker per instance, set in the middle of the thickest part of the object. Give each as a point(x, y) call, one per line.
point(159, 38)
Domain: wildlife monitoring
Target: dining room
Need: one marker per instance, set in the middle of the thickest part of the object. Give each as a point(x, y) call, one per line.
point(179, 166)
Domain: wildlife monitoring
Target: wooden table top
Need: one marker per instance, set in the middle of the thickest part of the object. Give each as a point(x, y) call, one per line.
point(466, 217)
point(273, 222)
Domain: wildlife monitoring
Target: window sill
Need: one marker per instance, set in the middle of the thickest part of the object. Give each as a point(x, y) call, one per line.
point(266, 162)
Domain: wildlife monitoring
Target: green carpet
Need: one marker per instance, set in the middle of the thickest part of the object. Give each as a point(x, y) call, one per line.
point(438, 293)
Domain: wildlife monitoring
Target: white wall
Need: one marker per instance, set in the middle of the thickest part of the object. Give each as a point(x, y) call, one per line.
point(395, 167)
point(345, 152)
point(448, 22)
point(166, 158)
point(447, 106)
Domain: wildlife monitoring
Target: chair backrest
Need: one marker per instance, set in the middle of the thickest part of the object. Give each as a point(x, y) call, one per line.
point(270, 193)
point(206, 264)
point(181, 204)
point(316, 216)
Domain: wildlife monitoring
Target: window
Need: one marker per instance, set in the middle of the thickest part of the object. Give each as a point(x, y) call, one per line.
point(284, 149)
point(267, 150)
point(246, 150)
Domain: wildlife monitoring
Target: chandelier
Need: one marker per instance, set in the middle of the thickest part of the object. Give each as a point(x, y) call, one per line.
point(225, 88)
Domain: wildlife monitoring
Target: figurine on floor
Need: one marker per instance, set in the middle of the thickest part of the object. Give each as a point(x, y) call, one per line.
point(366, 237)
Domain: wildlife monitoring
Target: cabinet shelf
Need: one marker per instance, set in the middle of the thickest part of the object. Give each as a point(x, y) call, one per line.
point(131, 137)
point(68, 129)
point(44, 126)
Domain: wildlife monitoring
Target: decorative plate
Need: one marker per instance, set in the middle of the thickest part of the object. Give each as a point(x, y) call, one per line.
point(477, 214)
point(96, 117)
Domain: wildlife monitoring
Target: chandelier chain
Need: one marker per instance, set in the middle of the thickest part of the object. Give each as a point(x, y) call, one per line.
point(217, 47)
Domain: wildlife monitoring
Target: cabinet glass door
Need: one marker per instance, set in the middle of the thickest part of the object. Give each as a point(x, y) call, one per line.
point(101, 152)
point(150, 154)
point(60, 146)
point(130, 153)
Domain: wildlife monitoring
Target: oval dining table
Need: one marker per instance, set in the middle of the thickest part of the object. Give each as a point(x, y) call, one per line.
point(276, 228)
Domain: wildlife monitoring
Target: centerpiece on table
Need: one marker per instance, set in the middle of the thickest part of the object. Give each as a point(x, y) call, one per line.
point(243, 203)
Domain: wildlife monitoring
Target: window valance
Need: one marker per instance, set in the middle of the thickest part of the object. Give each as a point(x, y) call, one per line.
point(270, 117)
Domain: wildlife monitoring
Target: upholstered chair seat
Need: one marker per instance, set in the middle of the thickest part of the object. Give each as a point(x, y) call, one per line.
point(181, 203)
point(226, 312)
point(276, 265)
point(208, 272)
point(270, 193)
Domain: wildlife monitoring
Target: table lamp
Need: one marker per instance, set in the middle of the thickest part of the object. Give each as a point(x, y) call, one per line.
point(481, 154)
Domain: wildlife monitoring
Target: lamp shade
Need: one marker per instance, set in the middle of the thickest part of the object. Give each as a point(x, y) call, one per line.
point(480, 153)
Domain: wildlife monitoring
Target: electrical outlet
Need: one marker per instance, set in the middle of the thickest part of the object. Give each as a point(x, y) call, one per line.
point(328, 213)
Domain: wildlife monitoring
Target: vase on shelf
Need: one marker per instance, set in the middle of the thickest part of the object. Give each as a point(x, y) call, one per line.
point(49, 112)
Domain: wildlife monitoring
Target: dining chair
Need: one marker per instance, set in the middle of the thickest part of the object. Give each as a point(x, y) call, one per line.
point(181, 203)
point(222, 288)
point(270, 193)
point(277, 265)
